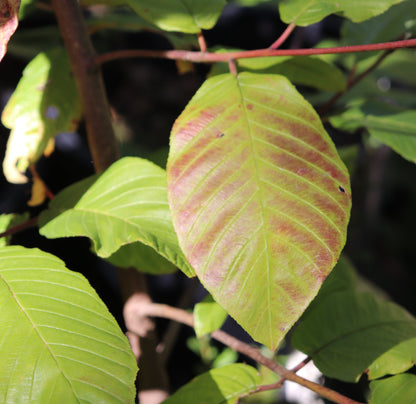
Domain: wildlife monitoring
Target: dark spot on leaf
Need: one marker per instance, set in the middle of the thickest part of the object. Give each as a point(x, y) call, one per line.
point(250, 106)
point(341, 189)
point(221, 135)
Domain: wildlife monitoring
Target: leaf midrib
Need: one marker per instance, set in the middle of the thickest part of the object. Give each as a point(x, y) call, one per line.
point(260, 199)
point(34, 326)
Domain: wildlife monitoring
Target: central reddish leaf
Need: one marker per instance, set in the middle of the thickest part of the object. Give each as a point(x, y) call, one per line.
point(259, 197)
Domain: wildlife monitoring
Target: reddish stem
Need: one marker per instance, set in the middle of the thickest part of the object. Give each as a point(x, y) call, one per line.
point(201, 42)
point(296, 369)
point(282, 38)
point(173, 313)
point(35, 174)
point(232, 67)
point(352, 81)
point(20, 227)
point(301, 364)
point(209, 57)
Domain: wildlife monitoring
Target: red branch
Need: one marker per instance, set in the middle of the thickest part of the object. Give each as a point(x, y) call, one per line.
point(282, 38)
point(20, 227)
point(209, 57)
point(182, 316)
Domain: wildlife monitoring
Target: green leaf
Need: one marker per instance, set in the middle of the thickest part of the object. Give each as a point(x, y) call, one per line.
point(218, 386)
point(303, 70)
point(142, 257)
point(37, 111)
point(307, 12)
point(396, 360)
point(399, 68)
point(361, 329)
point(397, 130)
point(394, 390)
point(9, 20)
point(399, 20)
point(252, 3)
point(59, 343)
point(342, 278)
point(28, 43)
point(208, 316)
point(189, 16)
point(132, 22)
point(26, 7)
point(10, 220)
point(259, 197)
point(125, 204)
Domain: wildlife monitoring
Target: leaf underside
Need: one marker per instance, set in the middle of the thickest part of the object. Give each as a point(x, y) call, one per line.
point(59, 343)
point(189, 16)
point(125, 205)
point(259, 197)
point(364, 333)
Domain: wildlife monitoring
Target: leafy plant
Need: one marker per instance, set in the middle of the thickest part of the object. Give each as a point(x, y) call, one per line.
point(255, 202)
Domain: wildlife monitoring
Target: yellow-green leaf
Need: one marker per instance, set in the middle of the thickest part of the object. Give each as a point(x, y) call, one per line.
point(59, 343)
point(259, 197)
point(45, 102)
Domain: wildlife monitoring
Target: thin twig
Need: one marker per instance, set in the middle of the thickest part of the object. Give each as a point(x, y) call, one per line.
point(232, 67)
point(49, 194)
point(282, 38)
point(32, 222)
point(352, 81)
point(301, 365)
point(201, 42)
point(209, 57)
point(165, 347)
point(296, 369)
point(165, 311)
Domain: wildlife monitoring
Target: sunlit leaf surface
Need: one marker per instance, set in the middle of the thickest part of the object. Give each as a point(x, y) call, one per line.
point(208, 316)
point(124, 205)
point(397, 130)
point(59, 343)
point(45, 102)
point(259, 197)
point(396, 360)
point(218, 386)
